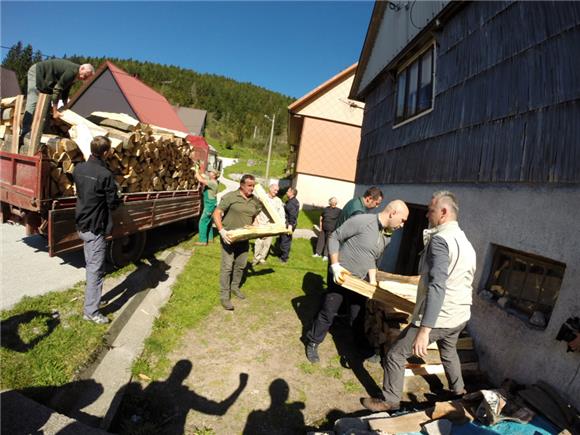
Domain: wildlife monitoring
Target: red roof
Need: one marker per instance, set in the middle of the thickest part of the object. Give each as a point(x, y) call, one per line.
point(150, 106)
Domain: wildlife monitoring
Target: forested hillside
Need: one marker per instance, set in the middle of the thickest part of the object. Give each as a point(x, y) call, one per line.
point(235, 110)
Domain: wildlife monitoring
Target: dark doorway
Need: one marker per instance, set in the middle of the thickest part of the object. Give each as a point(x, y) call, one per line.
point(412, 240)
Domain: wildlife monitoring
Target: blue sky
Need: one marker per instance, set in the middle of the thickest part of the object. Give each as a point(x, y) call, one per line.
point(288, 47)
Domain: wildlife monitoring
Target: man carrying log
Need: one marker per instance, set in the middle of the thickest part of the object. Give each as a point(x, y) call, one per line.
point(96, 199)
point(262, 245)
point(447, 268)
point(236, 210)
point(354, 248)
point(210, 191)
point(55, 77)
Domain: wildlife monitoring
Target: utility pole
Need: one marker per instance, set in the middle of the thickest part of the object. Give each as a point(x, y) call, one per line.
point(273, 119)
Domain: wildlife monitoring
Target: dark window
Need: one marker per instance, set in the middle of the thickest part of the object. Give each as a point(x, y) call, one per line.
point(415, 87)
point(526, 284)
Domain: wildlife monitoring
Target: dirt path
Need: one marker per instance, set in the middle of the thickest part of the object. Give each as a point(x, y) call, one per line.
point(284, 392)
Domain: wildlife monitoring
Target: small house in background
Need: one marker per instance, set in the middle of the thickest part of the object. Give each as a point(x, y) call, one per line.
point(193, 119)
point(324, 136)
point(482, 98)
point(113, 90)
point(9, 86)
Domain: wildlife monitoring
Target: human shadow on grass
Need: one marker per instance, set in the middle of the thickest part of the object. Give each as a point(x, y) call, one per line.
point(10, 337)
point(162, 406)
point(147, 275)
point(20, 415)
point(281, 417)
point(307, 305)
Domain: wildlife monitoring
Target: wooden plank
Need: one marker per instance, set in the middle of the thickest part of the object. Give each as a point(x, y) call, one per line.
point(8, 102)
point(121, 117)
point(38, 120)
point(401, 424)
point(256, 231)
point(464, 343)
point(73, 119)
point(386, 276)
point(18, 110)
point(388, 294)
point(261, 194)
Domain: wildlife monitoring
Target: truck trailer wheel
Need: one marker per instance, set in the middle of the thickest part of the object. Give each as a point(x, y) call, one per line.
point(128, 249)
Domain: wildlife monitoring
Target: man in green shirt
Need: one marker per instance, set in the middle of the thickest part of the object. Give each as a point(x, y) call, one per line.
point(235, 210)
point(210, 191)
point(371, 199)
point(55, 77)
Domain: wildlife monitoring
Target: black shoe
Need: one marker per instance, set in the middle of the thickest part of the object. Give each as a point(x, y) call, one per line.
point(378, 405)
point(238, 294)
point(312, 352)
point(227, 304)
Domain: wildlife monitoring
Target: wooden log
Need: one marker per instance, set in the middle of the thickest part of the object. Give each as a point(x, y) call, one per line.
point(261, 194)
point(8, 102)
point(120, 117)
point(16, 128)
point(73, 119)
point(401, 301)
point(386, 276)
point(38, 120)
point(256, 231)
point(7, 114)
point(3, 129)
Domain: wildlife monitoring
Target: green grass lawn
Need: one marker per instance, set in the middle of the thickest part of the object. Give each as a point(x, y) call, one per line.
point(45, 340)
point(196, 293)
point(258, 168)
point(308, 218)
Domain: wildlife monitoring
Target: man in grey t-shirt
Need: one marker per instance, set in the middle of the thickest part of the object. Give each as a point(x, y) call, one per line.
point(354, 248)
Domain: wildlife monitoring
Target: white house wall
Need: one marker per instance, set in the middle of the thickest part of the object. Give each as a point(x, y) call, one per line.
point(333, 105)
point(316, 191)
point(395, 32)
point(540, 221)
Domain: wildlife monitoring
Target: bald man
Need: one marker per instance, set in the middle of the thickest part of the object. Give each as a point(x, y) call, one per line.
point(354, 248)
point(447, 268)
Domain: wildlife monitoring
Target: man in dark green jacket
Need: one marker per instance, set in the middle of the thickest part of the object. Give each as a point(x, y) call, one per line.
point(55, 77)
point(371, 199)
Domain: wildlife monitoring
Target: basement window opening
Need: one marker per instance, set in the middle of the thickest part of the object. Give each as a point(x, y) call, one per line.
point(525, 285)
point(415, 86)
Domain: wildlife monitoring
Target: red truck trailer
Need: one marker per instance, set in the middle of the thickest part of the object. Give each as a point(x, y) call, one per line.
point(24, 187)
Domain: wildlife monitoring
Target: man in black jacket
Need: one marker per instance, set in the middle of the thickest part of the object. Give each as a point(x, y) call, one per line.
point(96, 199)
point(291, 209)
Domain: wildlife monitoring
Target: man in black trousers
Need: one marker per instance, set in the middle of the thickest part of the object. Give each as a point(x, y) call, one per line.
point(291, 209)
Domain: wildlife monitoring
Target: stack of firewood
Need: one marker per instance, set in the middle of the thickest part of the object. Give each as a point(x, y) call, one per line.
point(11, 111)
point(144, 157)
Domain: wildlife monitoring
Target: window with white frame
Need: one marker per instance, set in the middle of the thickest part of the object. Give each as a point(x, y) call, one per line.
point(415, 86)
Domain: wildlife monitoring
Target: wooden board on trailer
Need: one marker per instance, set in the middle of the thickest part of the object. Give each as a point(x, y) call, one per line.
point(38, 120)
point(17, 115)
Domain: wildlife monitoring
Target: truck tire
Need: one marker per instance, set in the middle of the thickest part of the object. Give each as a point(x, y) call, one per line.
point(128, 249)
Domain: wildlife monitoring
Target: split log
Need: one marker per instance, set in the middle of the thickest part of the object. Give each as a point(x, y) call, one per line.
point(8, 102)
point(261, 194)
point(389, 292)
point(257, 231)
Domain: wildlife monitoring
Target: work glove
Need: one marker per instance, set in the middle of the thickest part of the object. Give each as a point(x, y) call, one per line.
point(225, 237)
point(338, 273)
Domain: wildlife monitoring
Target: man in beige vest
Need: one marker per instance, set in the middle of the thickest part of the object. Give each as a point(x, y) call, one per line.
point(443, 307)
